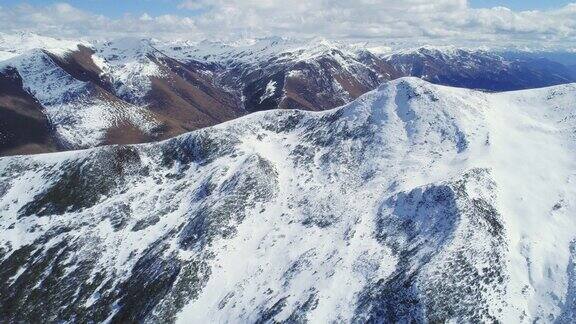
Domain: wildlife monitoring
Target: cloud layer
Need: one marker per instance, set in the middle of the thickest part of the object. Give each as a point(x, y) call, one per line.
point(410, 21)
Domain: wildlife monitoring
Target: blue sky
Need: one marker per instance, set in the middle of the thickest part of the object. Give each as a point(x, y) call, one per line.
point(118, 8)
point(114, 8)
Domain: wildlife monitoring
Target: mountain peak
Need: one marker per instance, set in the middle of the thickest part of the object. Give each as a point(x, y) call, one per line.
point(17, 43)
point(376, 202)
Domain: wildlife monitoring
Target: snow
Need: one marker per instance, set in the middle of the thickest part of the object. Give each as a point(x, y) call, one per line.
point(5, 55)
point(254, 51)
point(129, 64)
point(269, 91)
point(337, 172)
point(18, 43)
point(80, 117)
point(380, 50)
point(519, 137)
point(335, 176)
point(295, 74)
point(534, 164)
point(337, 275)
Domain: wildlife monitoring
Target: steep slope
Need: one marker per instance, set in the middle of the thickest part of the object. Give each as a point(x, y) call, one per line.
point(81, 112)
point(17, 43)
point(99, 94)
point(24, 128)
point(284, 73)
point(139, 90)
point(135, 90)
point(183, 95)
point(480, 69)
point(414, 202)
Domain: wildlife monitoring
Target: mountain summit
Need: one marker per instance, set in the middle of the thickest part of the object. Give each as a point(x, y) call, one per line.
point(415, 202)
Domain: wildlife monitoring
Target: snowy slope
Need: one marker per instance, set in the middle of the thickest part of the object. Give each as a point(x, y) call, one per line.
point(18, 43)
point(129, 65)
point(80, 112)
point(76, 109)
point(135, 90)
point(253, 51)
point(310, 74)
point(414, 202)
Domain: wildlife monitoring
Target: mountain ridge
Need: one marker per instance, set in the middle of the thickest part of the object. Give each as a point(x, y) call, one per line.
point(414, 202)
point(143, 90)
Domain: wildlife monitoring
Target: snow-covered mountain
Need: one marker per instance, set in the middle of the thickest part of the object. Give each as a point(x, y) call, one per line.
point(138, 90)
point(12, 45)
point(107, 93)
point(81, 94)
point(275, 72)
point(481, 69)
point(413, 203)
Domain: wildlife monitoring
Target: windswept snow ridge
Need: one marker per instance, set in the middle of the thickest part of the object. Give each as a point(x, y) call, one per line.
point(414, 203)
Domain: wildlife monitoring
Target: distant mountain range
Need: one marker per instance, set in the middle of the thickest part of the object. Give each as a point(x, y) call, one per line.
point(483, 70)
point(59, 94)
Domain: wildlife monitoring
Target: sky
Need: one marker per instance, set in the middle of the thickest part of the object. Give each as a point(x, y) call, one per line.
point(549, 23)
point(519, 4)
point(119, 8)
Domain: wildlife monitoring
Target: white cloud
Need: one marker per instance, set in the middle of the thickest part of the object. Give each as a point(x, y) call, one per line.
point(64, 20)
point(422, 21)
point(194, 5)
